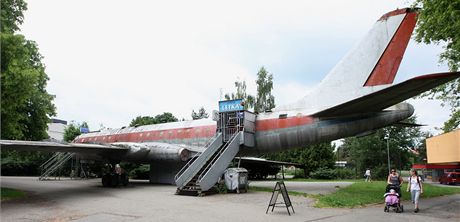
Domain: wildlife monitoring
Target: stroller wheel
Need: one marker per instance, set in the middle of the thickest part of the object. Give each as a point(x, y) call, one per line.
point(402, 208)
point(385, 209)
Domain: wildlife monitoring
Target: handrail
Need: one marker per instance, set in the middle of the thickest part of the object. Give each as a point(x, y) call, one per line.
point(53, 160)
point(58, 164)
point(185, 167)
point(217, 155)
point(54, 164)
point(44, 167)
point(54, 155)
point(182, 170)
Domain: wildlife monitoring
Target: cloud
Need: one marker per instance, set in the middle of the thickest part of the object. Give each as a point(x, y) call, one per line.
point(110, 61)
point(430, 113)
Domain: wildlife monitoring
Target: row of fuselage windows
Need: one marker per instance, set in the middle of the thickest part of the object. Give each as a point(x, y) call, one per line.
point(152, 136)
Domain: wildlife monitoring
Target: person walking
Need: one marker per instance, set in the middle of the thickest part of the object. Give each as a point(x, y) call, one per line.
point(394, 181)
point(415, 188)
point(367, 174)
point(394, 178)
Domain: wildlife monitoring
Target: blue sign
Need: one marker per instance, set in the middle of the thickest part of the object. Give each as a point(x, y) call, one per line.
point(231, 105)
point(84, 130)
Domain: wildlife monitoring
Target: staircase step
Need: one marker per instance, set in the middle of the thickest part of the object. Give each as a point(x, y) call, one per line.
point(205, 170)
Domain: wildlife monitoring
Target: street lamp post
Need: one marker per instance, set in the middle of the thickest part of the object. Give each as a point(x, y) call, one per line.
point(387, 137)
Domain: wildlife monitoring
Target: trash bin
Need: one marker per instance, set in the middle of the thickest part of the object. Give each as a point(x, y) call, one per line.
point(236, 179)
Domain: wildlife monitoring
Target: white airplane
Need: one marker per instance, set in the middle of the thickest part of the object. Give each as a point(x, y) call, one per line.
point(357, 96)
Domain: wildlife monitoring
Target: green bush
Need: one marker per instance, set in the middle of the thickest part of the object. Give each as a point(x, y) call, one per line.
point(379, 172)
point(345, 173)
point(141, 172)
point(299, 173)
point(324, 173)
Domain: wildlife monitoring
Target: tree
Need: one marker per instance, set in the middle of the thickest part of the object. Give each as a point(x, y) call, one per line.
point(422, 155)
point(26, 106)
point(200, 115)
point(11, 15)
point(265, 101)
point(313, 157)
point(371, 151)
point(143, 120)
point(148, 120)
point(24, 163)
point(241, 94)
point(165, 118)
point(73, 130)
point(439, 21)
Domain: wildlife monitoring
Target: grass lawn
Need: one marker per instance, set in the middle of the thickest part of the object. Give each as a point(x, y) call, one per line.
point(361, 193)
point(321, 180)
point(292, 193)
point(8, 193)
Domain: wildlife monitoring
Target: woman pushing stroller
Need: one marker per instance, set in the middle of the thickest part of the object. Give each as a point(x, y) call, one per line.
point(393, 192)
point(394, 179)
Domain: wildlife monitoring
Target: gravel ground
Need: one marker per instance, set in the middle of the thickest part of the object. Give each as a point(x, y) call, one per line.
point(86, 200)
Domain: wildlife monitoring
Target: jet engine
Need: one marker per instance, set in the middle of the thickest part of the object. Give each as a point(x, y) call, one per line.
point(154, 151)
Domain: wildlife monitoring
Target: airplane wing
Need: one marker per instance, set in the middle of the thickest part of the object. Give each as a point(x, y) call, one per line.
point(61, 147)
point(387, 97)
point(150, 151)
point(266, 162)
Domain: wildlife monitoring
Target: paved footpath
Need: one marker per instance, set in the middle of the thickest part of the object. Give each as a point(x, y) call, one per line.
point(87, 200)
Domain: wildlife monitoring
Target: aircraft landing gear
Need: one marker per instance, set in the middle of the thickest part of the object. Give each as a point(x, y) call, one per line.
point(115, 180)
point(115, 177)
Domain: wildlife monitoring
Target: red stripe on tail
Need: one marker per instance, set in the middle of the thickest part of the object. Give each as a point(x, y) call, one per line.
point(385, 70)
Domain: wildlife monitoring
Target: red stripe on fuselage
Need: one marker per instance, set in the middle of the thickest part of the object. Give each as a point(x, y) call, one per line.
point(167, 134)
point(191, 133)
point(274, 124)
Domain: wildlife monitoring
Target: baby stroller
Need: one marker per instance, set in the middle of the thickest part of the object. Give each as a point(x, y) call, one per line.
point(393, 199)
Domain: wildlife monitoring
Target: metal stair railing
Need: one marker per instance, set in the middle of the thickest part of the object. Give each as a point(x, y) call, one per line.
point(187, 173)
point(217, 166)
point(51, 158)
point(181, 171)
point(46, 165)
point(57, 164)
point(54, 163)
point(50, 161)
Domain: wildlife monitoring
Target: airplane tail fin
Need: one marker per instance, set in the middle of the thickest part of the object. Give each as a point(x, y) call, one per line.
point(370, 66)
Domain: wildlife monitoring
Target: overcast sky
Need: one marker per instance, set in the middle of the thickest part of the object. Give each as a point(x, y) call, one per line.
point(110, 61)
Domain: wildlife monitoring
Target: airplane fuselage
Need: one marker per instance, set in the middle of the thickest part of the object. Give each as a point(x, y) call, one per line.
point(275, 131)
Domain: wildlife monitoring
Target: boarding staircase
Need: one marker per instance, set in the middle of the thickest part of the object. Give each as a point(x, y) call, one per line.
point(201, 173)
point(55, 163)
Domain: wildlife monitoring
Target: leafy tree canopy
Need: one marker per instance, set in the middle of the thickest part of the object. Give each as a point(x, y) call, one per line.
point(439, 22)
point(143, 120)
point(371, 151)
point(166, 117)
point(11, 15)
point(73, 130)
point(200, 115)
point(265, 100)
point(241, 94)
point(25, 104)
point(148, 120)
point(313, 157)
